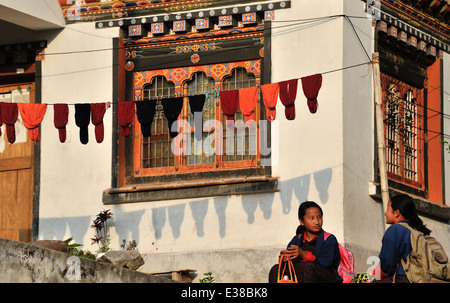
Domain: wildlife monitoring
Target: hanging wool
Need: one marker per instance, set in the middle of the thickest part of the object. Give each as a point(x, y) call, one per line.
point(60, 119)
point(196, 104)
point(172, 108)
point(97, 113)
point(32, 115)
point(125, 115)
point(229, 102)
point(145, 111)
point(270, 97)
point(288, 93)
point(82, 119)
point(10, 113)
point(311, 86)
point(248, 97)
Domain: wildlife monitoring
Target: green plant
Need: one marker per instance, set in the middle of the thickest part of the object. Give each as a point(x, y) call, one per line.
point(73, 247)
point(100, 225)
point(207, 279)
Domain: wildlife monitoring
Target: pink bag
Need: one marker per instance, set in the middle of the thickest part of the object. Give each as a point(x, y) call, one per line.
point(346, 267)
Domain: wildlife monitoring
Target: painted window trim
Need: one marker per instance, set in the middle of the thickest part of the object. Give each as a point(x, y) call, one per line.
point(224, 70)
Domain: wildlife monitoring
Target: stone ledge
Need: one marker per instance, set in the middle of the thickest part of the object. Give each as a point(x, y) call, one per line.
point(25, 263)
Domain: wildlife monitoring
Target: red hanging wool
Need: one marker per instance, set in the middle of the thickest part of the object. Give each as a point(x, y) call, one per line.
point(311, 86)
point(270, 97)
point(125, 115)
point(248, 97)
point(288, 93)
point(60, 119)
point(97, 112)
point(32, 116)
point(229, 101)
point(10, 113)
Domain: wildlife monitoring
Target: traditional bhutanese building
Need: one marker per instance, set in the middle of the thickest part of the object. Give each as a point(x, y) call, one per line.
point(204, 124)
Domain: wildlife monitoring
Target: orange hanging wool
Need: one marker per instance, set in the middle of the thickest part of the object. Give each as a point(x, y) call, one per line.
point(248, 97)
point(32, 116)
point(270, 97)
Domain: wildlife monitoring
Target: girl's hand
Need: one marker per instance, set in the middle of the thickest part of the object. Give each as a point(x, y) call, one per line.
point(293, 252)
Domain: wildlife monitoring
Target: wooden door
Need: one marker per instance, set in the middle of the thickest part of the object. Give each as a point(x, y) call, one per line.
point(16, 172)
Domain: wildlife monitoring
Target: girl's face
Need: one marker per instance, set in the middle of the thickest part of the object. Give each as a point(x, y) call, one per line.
point(392, 216)
point(312, 220)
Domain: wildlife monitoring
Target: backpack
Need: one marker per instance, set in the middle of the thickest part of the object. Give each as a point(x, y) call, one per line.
point(427, 262)
point(346, 267)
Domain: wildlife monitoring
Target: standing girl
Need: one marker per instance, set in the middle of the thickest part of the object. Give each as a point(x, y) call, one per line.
point(396, 243)
point(315, 258)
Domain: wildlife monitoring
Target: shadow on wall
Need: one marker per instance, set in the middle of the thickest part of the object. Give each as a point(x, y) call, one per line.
point(127, 223)
point(300, 187)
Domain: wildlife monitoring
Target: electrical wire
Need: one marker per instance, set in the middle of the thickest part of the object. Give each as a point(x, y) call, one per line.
point(294, 22)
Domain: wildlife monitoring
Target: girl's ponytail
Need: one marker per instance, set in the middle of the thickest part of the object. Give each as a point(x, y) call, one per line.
point(417, 223)
point(407, 208)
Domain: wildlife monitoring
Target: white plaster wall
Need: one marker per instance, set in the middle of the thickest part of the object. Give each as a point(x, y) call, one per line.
point(363, 216)
point(446, 129)
point(311, 151)
point(74, 175)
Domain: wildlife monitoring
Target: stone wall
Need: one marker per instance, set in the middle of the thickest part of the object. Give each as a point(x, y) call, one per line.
point(25, 263)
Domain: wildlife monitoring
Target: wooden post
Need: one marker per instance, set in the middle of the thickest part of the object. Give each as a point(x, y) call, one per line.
point(380, 132)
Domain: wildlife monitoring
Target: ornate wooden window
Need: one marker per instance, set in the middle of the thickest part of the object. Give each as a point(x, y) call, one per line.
point(412, 85)
point(404, 128)
point(220, 148)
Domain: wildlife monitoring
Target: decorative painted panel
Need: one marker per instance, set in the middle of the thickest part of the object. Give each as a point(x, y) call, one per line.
point(136, 31)
point(227, 20)
point(202, 23)
point(180, 26)
point(392, 32)
point(250, 18)
point(412, 41)
point(422, 46)
point(269, 15)
point(178, 75)
point(403, 37)
point(431, 51)
point(159, 28)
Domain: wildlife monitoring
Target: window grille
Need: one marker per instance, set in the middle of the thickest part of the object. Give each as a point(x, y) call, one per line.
point(240, 142)
point(202, 151)
point(156, 150)
point(403, 112)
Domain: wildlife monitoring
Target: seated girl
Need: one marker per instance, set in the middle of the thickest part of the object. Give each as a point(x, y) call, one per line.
point(315, 257)
point(396, 243)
